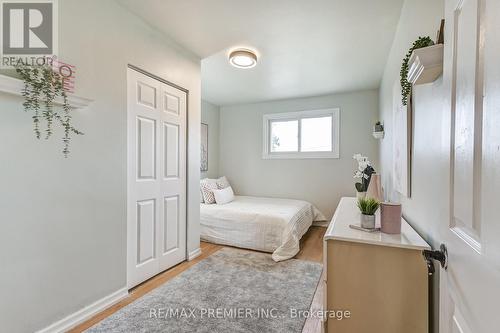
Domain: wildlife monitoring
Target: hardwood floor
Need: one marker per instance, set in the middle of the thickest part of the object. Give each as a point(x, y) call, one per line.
point(311, 249)
point(311, 246)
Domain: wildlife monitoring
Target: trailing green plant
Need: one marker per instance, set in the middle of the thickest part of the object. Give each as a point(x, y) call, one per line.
point(42, 86)
point(368, 206)
point(405, 85)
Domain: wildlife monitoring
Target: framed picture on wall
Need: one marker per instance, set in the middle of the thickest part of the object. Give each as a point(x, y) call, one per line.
point(402, 142)
point(204, 147)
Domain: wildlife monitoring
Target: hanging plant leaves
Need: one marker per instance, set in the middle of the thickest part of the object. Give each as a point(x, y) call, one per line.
point(41, 88)
point(405, 85)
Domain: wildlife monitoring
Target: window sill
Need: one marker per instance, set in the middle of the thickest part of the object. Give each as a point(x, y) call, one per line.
point(300, 156)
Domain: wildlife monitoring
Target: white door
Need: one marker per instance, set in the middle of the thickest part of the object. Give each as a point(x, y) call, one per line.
point(156, 177)
point(470, 287)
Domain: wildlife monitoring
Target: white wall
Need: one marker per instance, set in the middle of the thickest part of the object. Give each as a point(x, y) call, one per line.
point(63, 221)
point(321, 181)
point(430, 176)
point(210, 115)
point(418, 18)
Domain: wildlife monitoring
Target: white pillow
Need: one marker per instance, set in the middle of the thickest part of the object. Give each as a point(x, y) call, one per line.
point(224, 196)
point(222, 182)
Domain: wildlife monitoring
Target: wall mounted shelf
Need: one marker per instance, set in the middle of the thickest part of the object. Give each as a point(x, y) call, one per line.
point(13, 86)
point(378, 135)
point(426, 64)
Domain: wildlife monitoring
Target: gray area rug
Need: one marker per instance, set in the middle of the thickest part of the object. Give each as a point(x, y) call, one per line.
point(230, 291)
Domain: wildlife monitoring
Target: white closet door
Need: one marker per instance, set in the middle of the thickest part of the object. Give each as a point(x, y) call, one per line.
point(156, 177)
point(172, 248)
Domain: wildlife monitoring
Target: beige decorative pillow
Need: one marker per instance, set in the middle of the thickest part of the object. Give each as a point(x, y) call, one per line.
point(207, 186)
point(222, 183)
point(201, 192)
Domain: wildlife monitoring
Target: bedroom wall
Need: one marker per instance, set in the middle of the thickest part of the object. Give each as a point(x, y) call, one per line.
point(430, 175)
point(63, 221)
point(320, 181)
point(210, 115)
point(430, 167)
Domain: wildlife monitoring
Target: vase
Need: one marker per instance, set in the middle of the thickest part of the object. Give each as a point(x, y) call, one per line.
point(375, 190)
point(390, 218)
point(367, 221)
point(360, 195)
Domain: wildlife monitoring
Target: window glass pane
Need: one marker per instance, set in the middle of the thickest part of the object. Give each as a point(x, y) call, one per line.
point(285, 136)
point(316, 134)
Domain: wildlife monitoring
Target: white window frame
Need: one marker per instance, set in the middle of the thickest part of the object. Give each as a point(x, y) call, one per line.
point(299, 115)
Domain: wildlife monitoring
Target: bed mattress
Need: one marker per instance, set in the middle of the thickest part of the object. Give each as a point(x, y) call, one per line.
point(257, 223)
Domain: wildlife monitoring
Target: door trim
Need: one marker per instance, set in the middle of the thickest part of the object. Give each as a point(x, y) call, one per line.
point(194, 254)
point(186, 91)
point(173, 85)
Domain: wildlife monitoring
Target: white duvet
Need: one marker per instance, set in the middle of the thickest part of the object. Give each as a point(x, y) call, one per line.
point(263, 224)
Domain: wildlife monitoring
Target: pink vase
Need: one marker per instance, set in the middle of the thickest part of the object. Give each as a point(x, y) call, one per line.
point(375, 189)
point(390, 218)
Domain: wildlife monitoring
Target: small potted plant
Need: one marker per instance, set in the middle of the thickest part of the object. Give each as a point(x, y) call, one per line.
point(378, 127)
point(368, 207)
point(378, 130)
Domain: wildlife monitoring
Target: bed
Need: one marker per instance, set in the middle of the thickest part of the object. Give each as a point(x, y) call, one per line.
point(257, 223)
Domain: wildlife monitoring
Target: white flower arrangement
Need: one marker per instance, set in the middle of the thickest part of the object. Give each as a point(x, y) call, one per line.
point(363, 163)
point(364, 170)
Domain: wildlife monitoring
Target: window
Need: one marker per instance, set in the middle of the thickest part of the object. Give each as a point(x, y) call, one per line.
point(284, 136)
point(304, 134)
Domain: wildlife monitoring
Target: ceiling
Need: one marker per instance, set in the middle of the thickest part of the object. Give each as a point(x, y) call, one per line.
point(305, 47)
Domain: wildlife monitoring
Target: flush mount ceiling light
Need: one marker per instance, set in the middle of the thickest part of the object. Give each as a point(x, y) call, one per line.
point(243, 58)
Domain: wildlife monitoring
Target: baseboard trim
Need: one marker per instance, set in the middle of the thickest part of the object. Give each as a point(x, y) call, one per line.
point(86, 313)
point(193, 254)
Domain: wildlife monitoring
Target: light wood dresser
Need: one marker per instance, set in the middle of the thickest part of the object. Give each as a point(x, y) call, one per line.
point(380, 279)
